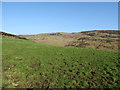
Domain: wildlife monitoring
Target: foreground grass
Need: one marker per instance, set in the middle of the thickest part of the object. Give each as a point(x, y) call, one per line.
point(31, 65)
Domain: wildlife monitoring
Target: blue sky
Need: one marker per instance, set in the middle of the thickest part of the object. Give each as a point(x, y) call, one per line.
point(44, 17)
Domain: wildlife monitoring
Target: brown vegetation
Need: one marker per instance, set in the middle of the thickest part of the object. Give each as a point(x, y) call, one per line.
point(97, 39)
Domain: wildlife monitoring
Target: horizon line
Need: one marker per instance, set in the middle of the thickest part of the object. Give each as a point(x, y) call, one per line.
point(62, 32)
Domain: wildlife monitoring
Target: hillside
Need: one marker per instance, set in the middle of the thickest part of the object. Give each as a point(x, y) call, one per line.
point(97, 39)
point(28, 64)
point(4, 34)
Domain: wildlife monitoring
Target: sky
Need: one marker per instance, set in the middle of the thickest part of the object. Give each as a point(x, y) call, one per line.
point(45, 17)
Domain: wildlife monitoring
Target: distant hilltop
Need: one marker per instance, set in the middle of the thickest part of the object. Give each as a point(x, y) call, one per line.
point(104, 31)
point(59, 33)
point(95, 39)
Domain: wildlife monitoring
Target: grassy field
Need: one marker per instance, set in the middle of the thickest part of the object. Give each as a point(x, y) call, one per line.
point(29, 64)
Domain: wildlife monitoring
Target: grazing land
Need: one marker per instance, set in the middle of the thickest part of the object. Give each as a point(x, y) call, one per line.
point(97, 39)
point(32, 64)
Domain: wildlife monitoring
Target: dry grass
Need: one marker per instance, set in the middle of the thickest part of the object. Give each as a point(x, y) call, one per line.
point(102, 39)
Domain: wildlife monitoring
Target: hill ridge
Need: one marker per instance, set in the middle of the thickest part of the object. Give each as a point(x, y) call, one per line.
point(95, 39)
point(4, 34)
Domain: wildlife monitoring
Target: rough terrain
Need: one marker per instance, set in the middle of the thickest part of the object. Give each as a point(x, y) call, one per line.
point(97, 39)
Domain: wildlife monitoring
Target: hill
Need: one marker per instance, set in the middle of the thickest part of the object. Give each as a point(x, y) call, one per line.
point(97, 39)
point(4, 34)
point(28, 64)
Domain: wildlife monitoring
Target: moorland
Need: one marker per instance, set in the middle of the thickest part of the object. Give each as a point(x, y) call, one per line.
point(87, 59)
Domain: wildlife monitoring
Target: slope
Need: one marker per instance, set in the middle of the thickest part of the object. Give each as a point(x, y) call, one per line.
point(97, 39)
point(34, 65)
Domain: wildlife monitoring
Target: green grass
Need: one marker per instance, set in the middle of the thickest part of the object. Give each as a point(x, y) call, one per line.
point(32, 65)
